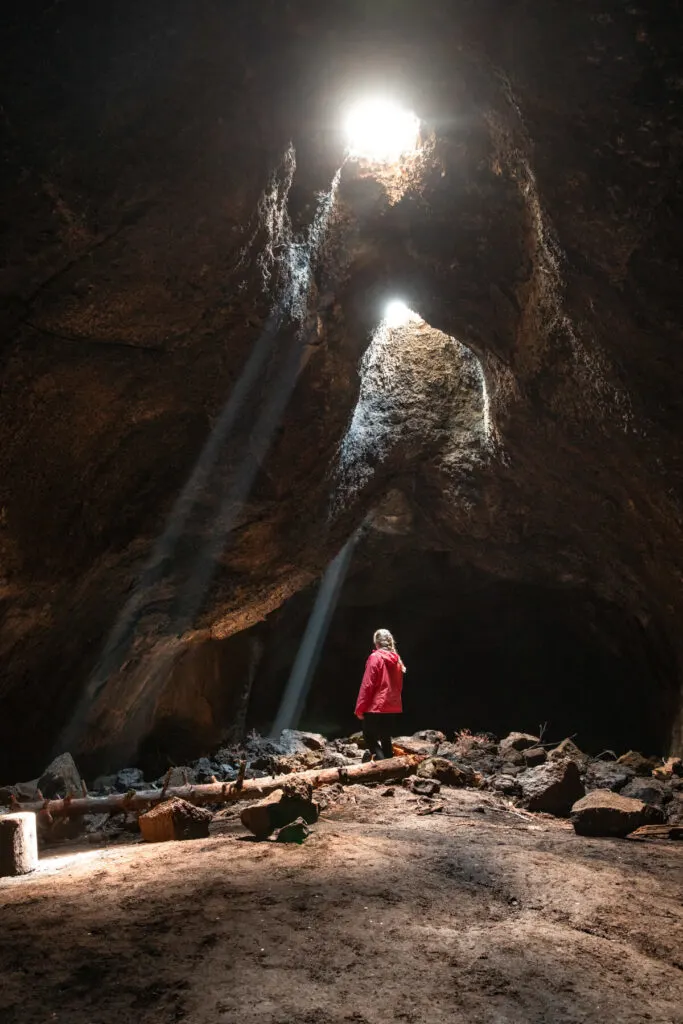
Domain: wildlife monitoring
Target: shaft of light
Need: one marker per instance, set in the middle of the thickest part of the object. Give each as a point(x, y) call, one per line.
point(308, 655)
point(299, 263)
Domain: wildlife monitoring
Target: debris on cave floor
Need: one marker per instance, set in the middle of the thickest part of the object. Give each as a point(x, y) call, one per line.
point(174, 820)
point(396, 907)
point(520, 768)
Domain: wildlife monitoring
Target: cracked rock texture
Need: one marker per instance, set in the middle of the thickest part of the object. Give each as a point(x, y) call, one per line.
point(529, 429)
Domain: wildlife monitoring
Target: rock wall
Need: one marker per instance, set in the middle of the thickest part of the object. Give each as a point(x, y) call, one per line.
point(148, 195)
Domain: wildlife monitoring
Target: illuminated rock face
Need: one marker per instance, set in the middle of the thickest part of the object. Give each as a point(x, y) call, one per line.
point(143, 240)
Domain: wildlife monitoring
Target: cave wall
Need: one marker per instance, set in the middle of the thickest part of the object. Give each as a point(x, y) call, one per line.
point(538, 230)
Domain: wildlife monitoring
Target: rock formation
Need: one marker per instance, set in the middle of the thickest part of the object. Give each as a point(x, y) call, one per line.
point(159, 200)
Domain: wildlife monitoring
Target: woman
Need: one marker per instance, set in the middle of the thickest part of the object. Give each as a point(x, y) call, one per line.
point(379, 700)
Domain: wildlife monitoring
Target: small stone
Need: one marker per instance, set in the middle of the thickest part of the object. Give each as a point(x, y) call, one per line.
point(430, 736)
point(181, 775)
point(603, 813)
point(104, 784)
point(175, 819)
point(18, 844)
point(567, 748)
point(389, 791)
point(204, 770)
point(94, 823)
point(423, 787)
point(552, 787)
point(534, 756)
point(507, 785)
point(60, 778)
point(446, 772)
point(517, 741)
point(129, 778)
point(641, 765)
point(296, 832)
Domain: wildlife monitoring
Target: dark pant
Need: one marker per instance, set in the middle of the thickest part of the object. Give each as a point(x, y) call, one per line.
point(377, 729)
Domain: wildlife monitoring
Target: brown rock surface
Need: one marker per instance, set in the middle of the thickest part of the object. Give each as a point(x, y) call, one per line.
point(175, 819)
point(552, 787)
point(603, 813)
point(532, 424)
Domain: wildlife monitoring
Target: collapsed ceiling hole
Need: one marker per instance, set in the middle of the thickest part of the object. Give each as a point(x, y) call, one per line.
point(380, 131)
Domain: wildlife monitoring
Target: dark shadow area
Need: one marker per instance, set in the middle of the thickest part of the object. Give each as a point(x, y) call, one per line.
point(189, 926)
point(484, 654)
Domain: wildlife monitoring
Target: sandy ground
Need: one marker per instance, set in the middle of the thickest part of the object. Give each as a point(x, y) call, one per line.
point(476, 914)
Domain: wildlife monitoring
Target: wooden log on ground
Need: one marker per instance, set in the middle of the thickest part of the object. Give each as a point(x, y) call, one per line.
point(18, 844)
point(226, 792)
point(657, 832)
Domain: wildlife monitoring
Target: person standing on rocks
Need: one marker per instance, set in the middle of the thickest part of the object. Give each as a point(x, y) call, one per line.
point(379, 699)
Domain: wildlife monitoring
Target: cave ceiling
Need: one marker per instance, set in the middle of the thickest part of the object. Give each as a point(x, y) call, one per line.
point(159, 160)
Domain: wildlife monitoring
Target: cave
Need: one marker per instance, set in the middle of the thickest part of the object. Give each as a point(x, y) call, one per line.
point(207, 389)
point(319, 318)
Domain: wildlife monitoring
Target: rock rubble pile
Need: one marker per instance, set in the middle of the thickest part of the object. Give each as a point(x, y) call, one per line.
point(605, 795)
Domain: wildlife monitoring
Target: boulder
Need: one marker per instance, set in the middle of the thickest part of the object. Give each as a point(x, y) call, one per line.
point(60, 778)
point(650, 791)
point(175, 819)
point(446, 771)
point(640, 764)
point(293, 741)
point(672, 767)
point(23, 792)
point(607, 775)
point(517, 741)
point(567, 748)
point(552, 787)
point(280, 808)
point(604, 813)
point(534, 756)
point(129, 778)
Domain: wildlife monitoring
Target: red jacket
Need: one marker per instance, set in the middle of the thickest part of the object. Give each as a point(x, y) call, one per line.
point(382, 683)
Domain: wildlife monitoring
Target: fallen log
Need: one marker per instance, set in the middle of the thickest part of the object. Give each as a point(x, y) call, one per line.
point(222, 792)
point(657, 832)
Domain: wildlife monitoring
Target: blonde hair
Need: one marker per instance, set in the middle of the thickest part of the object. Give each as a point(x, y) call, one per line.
point(383, 640)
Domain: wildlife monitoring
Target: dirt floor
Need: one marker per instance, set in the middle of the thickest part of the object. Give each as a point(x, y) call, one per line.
point(477, 914)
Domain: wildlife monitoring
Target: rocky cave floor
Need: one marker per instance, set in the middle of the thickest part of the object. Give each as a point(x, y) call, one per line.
point(477, 914)
point(399, 906)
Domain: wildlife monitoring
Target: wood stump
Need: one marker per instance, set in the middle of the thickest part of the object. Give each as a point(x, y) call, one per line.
point(18, 844)
point(175, 819)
